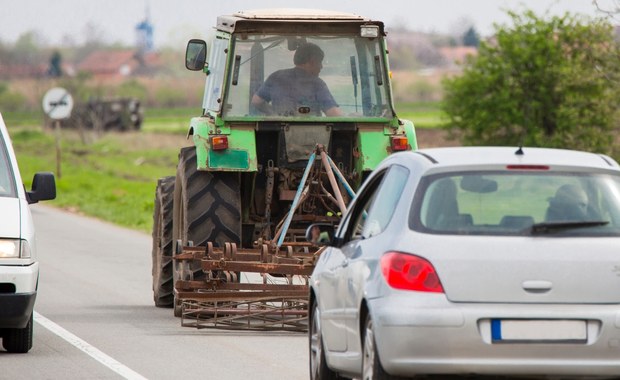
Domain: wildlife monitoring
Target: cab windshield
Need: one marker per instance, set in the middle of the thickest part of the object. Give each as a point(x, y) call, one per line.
point(351, 77)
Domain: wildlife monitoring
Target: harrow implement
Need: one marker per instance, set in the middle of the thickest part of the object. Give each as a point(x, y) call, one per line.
point(264, 287)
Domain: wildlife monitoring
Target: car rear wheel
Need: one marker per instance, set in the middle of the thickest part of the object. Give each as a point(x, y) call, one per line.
point(318, 366)
point(371, 365)
point(18, 340)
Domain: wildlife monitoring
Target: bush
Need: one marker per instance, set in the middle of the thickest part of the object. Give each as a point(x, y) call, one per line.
point(170, 97)
point(540, 83)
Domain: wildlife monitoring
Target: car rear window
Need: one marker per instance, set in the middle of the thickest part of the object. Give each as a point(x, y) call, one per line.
point(7, 184)
point(518, 203)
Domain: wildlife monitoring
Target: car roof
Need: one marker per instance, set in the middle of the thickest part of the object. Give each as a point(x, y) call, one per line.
point(502, 156)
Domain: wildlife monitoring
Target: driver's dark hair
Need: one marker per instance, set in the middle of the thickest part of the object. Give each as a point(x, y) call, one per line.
point(306, 52)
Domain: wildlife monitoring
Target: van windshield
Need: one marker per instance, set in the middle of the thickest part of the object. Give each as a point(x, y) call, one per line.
point(282, 76)
point(7, 184)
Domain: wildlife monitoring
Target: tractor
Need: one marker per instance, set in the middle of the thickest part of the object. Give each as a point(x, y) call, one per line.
point(236, 203)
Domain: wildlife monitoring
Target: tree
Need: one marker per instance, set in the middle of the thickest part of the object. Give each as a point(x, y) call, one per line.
point(539, 83)
point(55, 68)
point(610, 8)
point(471, 38)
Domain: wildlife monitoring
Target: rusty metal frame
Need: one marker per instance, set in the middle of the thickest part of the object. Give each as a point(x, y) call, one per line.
point(277, 298)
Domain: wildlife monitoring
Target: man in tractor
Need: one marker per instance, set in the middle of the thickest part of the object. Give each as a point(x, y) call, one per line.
point(298, 90)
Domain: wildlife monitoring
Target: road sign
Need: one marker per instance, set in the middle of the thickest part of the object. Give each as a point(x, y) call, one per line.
point(57, 103)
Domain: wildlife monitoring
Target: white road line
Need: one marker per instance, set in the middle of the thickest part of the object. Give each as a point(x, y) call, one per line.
point(80, 344)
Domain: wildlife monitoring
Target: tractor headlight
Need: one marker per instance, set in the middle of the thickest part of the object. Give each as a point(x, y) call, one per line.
point(369, 31)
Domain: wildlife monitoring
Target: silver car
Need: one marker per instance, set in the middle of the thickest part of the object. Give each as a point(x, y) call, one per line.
point(478, 261)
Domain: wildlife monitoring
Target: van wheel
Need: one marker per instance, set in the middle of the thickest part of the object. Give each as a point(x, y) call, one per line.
point(18, 340)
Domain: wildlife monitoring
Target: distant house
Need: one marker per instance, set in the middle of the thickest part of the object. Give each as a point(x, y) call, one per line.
point(18, 71)
point(456, 55)
point(118, 64)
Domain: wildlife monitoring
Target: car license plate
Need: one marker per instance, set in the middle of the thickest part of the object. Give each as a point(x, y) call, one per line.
point(538, 331)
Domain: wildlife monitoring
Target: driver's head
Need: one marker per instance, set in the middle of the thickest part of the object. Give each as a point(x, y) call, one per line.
point(572, 200)
point(309, 57)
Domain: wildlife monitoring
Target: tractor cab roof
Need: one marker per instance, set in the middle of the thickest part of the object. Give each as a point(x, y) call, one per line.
point(270, 20)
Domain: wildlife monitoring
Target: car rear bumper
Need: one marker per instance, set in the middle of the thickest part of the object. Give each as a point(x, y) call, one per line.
point(16, 309)
point(440, 337)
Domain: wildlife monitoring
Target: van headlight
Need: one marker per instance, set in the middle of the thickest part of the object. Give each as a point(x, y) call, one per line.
point(14, 248)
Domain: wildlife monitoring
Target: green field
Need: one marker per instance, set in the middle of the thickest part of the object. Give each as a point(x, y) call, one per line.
point(114, 177)
point(423, 115)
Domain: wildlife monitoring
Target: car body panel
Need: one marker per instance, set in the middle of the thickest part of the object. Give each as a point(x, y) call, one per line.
point(567, 283)
point(527, 269)
point(10, 214)
point(333, 286)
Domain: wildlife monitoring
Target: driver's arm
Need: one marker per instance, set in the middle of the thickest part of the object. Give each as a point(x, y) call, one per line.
point(261, 105)
point(334, 111)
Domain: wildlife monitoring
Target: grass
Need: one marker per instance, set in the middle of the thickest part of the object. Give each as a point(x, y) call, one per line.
point(23, 118)
point(423, 115)
point(114, 178)
point(169, 120)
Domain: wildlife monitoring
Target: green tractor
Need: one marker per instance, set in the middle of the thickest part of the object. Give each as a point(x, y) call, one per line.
point(279, 84)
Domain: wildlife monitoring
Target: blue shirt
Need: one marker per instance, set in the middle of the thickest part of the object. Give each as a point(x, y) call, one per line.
point(293, 92)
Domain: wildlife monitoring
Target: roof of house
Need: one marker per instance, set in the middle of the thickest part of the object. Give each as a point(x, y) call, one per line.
point(108, 61)
point(458, 54)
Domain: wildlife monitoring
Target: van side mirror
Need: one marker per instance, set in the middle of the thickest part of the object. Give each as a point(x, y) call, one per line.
point(43, 188)
point(196, 55)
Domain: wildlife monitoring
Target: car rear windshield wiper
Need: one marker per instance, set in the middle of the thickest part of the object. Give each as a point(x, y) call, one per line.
point(549, 227)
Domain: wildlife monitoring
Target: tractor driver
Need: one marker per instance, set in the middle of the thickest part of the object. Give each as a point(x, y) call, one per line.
point(298, 91)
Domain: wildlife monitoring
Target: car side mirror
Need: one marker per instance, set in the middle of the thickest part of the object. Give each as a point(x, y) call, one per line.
point(320, 234)
point(43, 188)
point(196, 55)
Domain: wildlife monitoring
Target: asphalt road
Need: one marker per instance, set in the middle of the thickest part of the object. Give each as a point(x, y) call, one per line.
point(95, 317)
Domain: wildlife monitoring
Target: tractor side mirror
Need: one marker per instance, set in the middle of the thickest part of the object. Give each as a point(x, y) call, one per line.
point(196, 55)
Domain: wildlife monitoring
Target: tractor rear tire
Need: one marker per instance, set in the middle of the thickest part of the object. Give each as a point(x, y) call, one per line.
point(207, 208)
point(162, 243)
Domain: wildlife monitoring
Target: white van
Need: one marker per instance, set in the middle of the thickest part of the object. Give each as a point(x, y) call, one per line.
point(19, 269)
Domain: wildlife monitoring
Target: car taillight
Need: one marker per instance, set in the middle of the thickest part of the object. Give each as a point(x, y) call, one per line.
point(409, 272)
point(399, 143)
point(218, 142)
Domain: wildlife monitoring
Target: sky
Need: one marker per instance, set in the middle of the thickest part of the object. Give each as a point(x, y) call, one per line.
point(176, 21)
